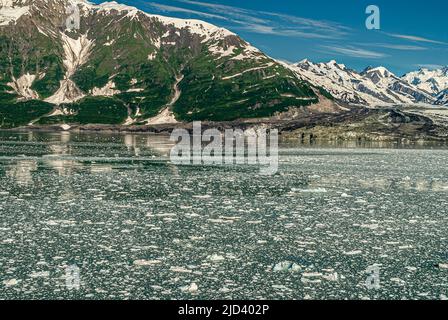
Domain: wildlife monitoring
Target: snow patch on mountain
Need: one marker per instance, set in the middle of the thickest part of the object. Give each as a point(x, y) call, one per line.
point(166, 116)
point(10, 12)
point(68, 92)
point(270, 64)
point(201, 28)
point(108, 90)
point(76, 53)
point(216, 49)
point(22, 86)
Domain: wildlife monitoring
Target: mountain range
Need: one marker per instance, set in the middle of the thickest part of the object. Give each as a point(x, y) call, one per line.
point(376, 86)
point(123, 66)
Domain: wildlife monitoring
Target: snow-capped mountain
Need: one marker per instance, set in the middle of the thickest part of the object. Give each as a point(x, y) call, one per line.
point(126, 66)
point(431, 81)
point(372, 87)
point(402, 91)
point(442, 98)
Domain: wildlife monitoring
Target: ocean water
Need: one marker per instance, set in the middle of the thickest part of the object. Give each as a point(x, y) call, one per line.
point(108, 216)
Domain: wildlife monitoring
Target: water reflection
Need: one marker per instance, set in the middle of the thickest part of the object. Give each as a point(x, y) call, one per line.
point(99, 153)
point(363, 144)
point(54, 158)
point(67, 153)
point(22, 172)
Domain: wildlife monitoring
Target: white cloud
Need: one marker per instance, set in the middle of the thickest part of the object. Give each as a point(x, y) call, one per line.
point(355, 52)
point(397, 47)
point(415, 38)
point(247, 16)
point(263, 29)
point(261, 22)
point(166, 8)
point(429, 66)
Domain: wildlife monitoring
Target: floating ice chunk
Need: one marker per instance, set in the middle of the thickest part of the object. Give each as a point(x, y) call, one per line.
point(180, 269)
point(282, 266)
point(398, 281)
point(155, 287)
point(353, 253)
point(280, 287)
point(311, 275)
point(207, 196)
point(316, 190)
point(370, 226)
point(192, 288)
point(411, 269)
point(40, 274)
point(10, 282)
point(145, 263)
point(216, 258)
point(331, 277)
point(443, 266)
point(307, 280)
point(295, 267)
point(286, 266)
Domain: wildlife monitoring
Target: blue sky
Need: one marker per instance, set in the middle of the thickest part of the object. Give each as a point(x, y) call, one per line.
point(413, 34)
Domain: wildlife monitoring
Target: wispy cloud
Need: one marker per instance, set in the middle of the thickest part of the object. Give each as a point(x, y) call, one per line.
point(397, 47)
point(429, 66)
point(305, 23)
point(355, 52)
point(415, 38)
point(166, 8)
point(236, 13)
point(284, 32)
point(261, 22)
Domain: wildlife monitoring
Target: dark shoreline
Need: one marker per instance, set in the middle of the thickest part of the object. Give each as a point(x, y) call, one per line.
point(308, 127)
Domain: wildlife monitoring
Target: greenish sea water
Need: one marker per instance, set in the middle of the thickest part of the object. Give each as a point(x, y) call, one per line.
point(135, 226)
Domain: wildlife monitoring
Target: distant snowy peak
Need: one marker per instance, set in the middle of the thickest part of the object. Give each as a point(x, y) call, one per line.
point(378, 73)
point(342, 83)
point(442, 98)
point(373, 86)
point(431, 81)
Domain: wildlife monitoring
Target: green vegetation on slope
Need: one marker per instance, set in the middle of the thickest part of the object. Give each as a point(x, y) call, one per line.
point(15, 114)
point(95, 110)
point(238, 89)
